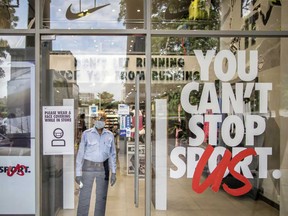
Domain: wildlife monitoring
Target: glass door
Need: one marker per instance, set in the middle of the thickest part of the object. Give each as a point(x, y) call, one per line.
point(216, 122)
point(83, 76)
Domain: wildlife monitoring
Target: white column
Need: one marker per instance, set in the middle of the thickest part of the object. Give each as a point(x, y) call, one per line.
point(161, 155)
point(68, 171)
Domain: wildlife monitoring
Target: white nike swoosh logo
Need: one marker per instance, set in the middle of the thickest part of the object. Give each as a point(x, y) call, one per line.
point(72, 16)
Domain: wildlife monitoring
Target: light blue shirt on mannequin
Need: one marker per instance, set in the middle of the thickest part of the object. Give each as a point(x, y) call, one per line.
point(97, 148)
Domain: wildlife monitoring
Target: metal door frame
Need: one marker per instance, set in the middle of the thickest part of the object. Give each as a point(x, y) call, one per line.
point(37, 32)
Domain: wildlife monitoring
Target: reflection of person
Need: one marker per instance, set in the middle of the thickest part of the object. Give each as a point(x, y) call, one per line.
point(82, 123)
point(141, 126)
point(178, 133)
point(115, 132)
point(96, 146)
point(81, 127)
point(141, 165)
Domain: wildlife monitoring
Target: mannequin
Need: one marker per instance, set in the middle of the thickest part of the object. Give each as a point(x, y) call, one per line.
point(96, 146)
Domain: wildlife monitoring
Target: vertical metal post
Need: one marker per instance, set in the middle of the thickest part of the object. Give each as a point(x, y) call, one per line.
point(136, 154)
point(148, 167)
point(148, 172)
point(38, 19)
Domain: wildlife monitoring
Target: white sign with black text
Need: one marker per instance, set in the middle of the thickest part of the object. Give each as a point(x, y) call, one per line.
point(58, 130)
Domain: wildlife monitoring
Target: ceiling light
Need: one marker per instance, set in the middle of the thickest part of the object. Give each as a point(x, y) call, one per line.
point(138, 10)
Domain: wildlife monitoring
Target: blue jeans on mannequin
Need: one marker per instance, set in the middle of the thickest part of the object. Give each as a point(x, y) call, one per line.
point(88, 177)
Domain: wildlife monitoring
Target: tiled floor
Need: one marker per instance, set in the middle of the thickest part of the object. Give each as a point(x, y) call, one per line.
point(182, 201)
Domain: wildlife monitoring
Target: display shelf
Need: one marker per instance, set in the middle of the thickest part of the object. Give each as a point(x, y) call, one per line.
point(131, 159)
point(112, 119)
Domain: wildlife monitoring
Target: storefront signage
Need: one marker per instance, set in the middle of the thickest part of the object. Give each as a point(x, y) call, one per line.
point(247, 126)
point(18, 169)
point(17, 176)
point(58, 130)
point(70, 15)
point(17, 160)
point(165, 69)
point(93, 110)
point(125, 125)
point(123, 109)
point(62, 66)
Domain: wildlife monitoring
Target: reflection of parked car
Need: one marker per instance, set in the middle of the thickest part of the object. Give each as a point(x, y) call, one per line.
point(5, 141)
point(3, 125)
point(4, 122)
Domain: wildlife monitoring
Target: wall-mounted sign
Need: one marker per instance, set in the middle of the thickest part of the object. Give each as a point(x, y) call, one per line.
point(58, 130)
point(70, 15)
point(17, 160)
point(17, 177)
point(93, 110)
point(125, 125)
point(123, 109)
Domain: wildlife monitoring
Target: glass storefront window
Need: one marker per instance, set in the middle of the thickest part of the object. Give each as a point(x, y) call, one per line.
point(246, 15)
point(16, 14)
point(219, 95)
point(93, 74)
point(17, 124)
point(16, 76)
point(219, 106)
point(75, 14)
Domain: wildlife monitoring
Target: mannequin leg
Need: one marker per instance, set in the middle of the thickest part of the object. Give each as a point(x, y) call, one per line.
point(85, 193)
point(101, 194)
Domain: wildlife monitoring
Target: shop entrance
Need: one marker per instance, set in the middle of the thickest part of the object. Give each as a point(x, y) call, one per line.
point(83, 76)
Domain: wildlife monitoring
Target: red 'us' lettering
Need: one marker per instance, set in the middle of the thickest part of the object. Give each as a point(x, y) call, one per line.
point(216, 176)
point(19, 169)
